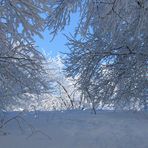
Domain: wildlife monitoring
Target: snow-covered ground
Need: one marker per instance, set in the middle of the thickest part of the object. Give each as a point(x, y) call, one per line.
point(76, 129)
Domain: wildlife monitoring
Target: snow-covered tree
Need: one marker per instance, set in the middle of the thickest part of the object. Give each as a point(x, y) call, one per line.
point(63, 95)
point(66, 90)
point(21, 65)
point(109, 54)
point(109, 50)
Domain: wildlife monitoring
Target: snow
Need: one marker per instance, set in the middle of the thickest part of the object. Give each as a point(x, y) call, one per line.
point(76, 129)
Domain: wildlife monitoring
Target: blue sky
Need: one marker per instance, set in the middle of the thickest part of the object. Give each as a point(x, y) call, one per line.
point(57, 45)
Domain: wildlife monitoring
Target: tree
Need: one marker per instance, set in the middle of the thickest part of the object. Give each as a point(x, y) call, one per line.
point(108, 51)
point(21, 65)
point(63, 95)
point(108, 55)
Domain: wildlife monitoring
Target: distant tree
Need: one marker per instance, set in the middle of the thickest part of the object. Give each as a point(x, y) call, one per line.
point(63, 95)
point(109, 50)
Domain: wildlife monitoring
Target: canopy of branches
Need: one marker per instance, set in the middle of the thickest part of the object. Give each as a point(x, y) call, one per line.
point(108, 50)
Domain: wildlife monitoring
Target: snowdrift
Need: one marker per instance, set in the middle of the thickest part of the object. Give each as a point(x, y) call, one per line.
point(76, 129)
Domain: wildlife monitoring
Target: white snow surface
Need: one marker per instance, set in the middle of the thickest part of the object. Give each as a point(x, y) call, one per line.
point(76, 129)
